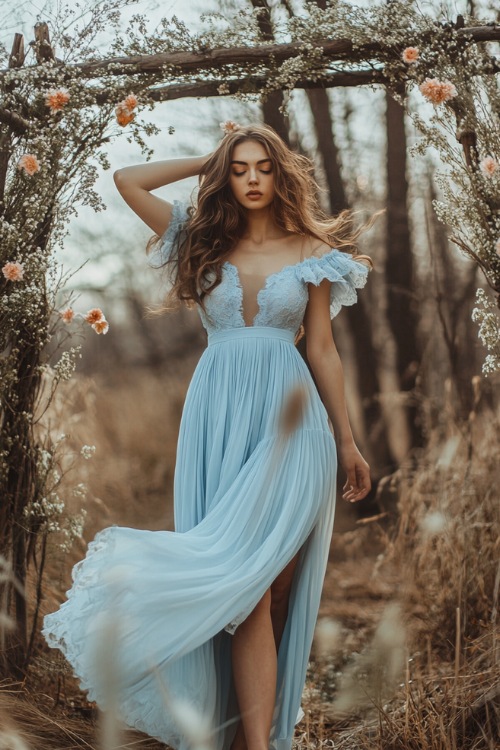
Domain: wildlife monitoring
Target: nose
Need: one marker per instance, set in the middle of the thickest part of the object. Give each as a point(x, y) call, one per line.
point(252, 176)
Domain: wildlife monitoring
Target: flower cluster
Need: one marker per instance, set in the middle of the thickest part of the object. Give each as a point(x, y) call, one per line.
point(87, 451)
point(49, 515)
point(124, 110)
point(64, 369)
point(94, 317)
point(489, 331)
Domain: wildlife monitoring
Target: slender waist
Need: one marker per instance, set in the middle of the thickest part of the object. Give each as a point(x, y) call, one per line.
point(229, 334)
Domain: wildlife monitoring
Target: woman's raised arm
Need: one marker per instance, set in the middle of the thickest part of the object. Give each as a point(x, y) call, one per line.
point(135, 183)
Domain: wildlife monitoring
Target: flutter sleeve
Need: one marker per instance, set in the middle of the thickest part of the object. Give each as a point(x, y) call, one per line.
point(347, 275)
point(163, 249)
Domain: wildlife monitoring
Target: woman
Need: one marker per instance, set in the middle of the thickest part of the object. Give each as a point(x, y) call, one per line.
point(221, 612)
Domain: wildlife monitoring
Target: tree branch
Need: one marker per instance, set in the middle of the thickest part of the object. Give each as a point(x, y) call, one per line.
point(263, 54)
point(16, 123)
point(250, 85)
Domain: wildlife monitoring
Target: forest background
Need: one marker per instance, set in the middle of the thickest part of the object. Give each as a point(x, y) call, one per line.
point(424, 415)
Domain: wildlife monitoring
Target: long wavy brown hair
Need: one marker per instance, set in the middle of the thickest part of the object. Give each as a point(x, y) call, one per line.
point(218, 221)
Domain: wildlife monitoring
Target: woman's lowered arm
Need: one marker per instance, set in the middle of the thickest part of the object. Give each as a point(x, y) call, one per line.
point(328, 373)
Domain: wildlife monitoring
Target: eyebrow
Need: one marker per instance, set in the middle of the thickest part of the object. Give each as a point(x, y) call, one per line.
point(261, 161)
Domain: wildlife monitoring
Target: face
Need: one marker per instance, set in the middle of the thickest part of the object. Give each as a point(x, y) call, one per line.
point(251, 177)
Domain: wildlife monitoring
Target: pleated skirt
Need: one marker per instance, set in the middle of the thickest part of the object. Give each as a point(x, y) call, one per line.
point(148, 621)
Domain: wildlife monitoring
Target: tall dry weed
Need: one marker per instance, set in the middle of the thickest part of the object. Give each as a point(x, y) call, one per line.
point(129, 423)
point(445, 545)
point(448, 537)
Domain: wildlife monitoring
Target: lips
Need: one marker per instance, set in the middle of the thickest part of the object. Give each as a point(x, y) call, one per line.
point(254, 194)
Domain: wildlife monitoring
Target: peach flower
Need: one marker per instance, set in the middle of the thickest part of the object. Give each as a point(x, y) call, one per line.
point(13, 271)
point(95, 315)
point(123, 114)
point(410, 55)
point(229, 126)
point(29, 163)
point(489, 166)
point(57, 98)
point(68, 315)
point(437, 91)
point(101, 326)
point(130, 102)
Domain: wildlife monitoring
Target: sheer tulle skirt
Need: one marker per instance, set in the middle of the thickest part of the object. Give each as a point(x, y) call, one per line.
point(246, 500)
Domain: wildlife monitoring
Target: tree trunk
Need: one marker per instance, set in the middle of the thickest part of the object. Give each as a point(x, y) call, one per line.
point(357, 318)
point(271, 105)
point(450, 290)
point(399, 272)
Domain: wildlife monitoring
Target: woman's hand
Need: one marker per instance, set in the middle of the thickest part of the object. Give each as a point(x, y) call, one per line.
point(358, 483)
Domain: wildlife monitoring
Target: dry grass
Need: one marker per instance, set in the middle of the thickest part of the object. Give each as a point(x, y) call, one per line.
point(448, 540)
point(439, 563)
point(133, 421)
point(442, 563)
point(29, 720)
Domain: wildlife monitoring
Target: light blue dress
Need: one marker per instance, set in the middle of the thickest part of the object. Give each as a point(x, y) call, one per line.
point(245, 502)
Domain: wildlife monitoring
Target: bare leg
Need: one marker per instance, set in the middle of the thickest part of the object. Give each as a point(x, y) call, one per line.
point(239, 742)
point(280, 592)
point(280, 596)
point(254, 670)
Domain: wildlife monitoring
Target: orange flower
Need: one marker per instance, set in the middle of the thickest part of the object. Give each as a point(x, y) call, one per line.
point(95, 315)
point(436, 91)
point(123, 114)
point(124, 118)
point(67, 315)
point(101, 326)
point(57, 98)
point(489, 166)
point(13, 271)
point(410, 55)
point(130, 102)
point(29, 163)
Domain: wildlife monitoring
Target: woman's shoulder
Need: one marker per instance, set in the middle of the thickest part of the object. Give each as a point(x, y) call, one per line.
point(315, 248)
point(312, 247)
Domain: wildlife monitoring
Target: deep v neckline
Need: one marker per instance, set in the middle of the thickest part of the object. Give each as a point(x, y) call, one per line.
point(272, 276)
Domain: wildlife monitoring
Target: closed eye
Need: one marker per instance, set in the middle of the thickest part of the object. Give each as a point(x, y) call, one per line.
point(264, 171)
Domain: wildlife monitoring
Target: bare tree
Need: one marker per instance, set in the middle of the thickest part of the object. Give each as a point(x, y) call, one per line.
point(399, 266)
point(273, 103)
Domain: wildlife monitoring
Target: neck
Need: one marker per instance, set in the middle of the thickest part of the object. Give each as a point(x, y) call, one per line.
point(261, 227)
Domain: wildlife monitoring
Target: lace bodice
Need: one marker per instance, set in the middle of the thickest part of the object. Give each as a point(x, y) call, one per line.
point(282, 299)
